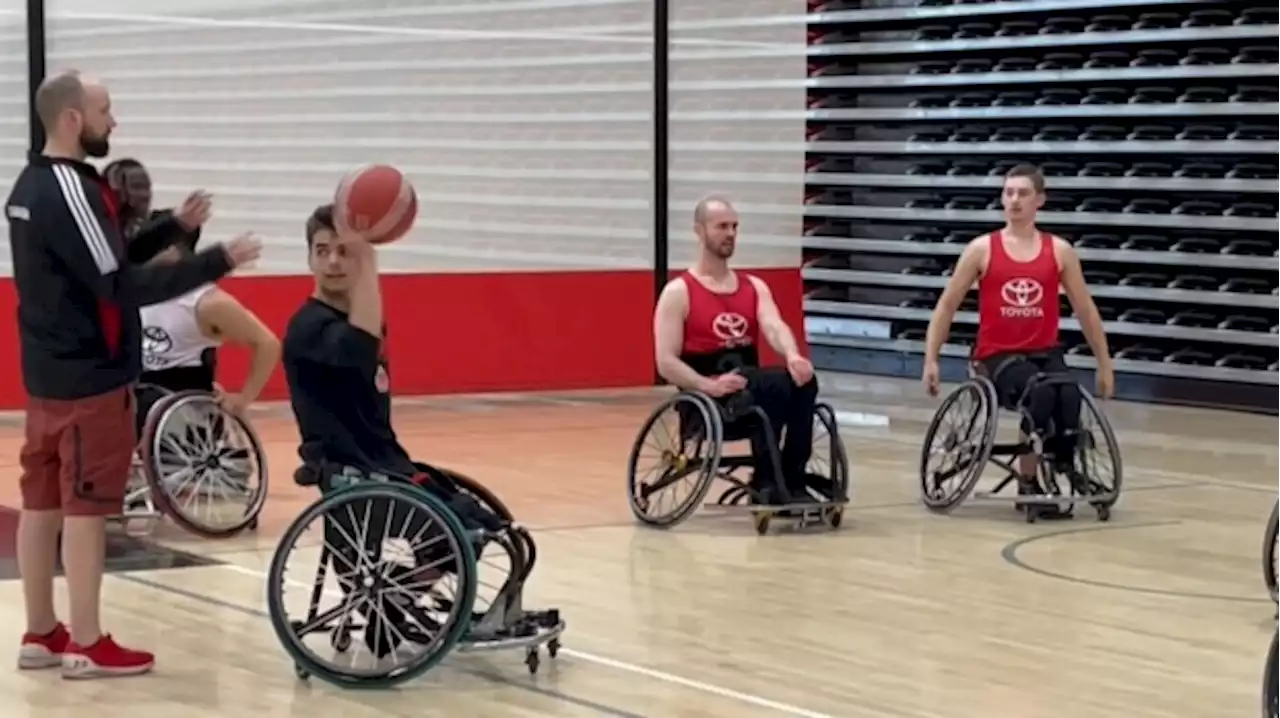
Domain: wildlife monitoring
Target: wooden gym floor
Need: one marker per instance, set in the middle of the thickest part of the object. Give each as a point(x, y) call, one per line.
point(1161, 612)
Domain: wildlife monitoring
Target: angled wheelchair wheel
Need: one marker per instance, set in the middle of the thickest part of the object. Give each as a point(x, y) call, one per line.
point(392, 592)
point(1271, 552)
point(829, 461)
point(675, 460)
point(1270, 689)
point(1098, 457)
point(957, 445)
point(493, 563)
point(204, 467)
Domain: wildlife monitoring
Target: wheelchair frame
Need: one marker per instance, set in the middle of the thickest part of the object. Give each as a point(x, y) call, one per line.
point(146, 484)
point(1270, 680)
point(504, 625)
point(718, 466)
point(1271, 552)
point(1006, 455)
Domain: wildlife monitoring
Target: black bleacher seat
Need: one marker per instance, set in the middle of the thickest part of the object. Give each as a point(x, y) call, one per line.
point(1062, 26)
point(1203, 94)
point(1246, 285)
point(1057, 168)
point(960, 237)
point(1146, 243)
point(929, 202)
point(1257, 16)
point(1152, 96)
point(1256, 55)
point(933, 32)
point(1015, 64)
point(1144, 279)
point(1139, 352)
point(1194, 282)
point(1195, 245)
point(1098, 240)
point(970, 134)
point(969, 30)
point(1250, 209)
point(964, 168)
point(1147, 205)
point(1105, 96)
point(1139, 315)
point(1248, 248)
point(930, 100)
point(966, 202)
point(1190, 356)
point(1108, 23)
point(1241, 323)
point(924, 235)
point(1081, 350)
point(1206, 56)
point(1254, 93)
point(972, 99)
point(1107, 58)
point(1147, 169)
point(928, 167)
point(931, 67)
point(1153, 133)
point(1100, 204)
point(1254, 132)
point(1208, 18)
point(1193, 318)
point(1101, 277)
point(1198, 208)
point(1059, 96)
point(1055, 133)
point(1060, 61)
point(971, 65)
point(1155, 58)
point(1201, 170)
point(1202, 133)
point(929, 135)
point(1157, 21)
point(1103, 133)
point(1014, 99)
point(1239, 360)
point(1017, 28)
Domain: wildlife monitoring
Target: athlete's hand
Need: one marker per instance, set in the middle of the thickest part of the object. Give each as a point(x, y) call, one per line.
point(230, 402)
point(725, 384)
point(1106, 381)
point(195, 210)
point(931, 378)
point(800, 369)
point(242, 250)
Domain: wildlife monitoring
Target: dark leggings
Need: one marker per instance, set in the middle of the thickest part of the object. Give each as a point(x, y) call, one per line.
point(1054, 408)
point(790, 411)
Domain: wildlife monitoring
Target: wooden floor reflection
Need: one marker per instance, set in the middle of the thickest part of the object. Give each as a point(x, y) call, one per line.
point(1161, 612)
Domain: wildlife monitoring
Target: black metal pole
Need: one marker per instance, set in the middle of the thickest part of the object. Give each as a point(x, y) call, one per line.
point(37, 51)
point(661, 73)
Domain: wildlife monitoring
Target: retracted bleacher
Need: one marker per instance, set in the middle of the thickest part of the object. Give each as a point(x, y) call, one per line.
point(1155, 123)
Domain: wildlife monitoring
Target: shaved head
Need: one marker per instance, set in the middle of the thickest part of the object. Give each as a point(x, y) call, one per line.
point(709, 205)
point(715, 221)
point(75, 110)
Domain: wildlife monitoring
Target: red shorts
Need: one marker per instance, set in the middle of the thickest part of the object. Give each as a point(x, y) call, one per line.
point(77, 454)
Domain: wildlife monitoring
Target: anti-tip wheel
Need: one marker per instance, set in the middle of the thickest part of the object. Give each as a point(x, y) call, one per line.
point(835, 517)
point(553, 647)
point(531, 660)
point(301, 673)
point(340, 640)
point(761, 520)
point(1104, 512)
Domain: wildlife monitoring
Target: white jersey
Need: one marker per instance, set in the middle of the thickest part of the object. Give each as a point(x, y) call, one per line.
point(171, 335)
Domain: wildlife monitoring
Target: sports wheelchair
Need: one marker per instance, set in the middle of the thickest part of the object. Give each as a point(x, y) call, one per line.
point(963, 434)
point(696, 447)
point(400, 562)
point(195, 464)
point(1271, 552)
point(1270, 679)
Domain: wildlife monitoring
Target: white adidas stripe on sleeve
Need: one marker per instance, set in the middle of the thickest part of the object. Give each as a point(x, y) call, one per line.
point(91, 231)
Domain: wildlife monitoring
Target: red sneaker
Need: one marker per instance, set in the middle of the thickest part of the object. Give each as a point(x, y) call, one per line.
point(104, 658)
point(44, 651)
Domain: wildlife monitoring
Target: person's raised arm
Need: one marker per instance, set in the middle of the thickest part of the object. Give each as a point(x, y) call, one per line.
point(66, 223)
point(222, 317)
point(668, 335)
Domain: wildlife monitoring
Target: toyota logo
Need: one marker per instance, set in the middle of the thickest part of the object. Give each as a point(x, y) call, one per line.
point(729, 326)
point(1022, 292)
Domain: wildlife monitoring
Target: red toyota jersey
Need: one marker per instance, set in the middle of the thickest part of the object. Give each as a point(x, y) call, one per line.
point(719, 323)
point(1018, 309)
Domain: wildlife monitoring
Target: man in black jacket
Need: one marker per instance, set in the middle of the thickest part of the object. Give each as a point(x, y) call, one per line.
point(81, 345)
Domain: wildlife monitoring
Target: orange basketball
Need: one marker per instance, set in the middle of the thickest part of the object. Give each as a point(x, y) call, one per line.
point(377, 202)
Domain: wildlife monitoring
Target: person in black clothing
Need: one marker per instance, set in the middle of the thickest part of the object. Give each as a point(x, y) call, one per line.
point(147, 230)
point(81, 349)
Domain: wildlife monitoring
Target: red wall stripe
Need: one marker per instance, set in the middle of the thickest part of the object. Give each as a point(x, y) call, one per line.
point(453, 333)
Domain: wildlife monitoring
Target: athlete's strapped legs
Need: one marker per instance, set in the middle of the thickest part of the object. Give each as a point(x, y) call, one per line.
point(790, 411)
point(1054, 408)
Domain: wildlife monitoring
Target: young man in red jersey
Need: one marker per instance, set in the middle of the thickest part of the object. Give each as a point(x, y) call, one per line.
point(707, 329)
point(1019, 270)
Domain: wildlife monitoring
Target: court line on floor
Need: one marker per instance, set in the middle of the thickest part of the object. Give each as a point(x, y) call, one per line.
point(485, 675)
point(662, 676)
point(1010, 555)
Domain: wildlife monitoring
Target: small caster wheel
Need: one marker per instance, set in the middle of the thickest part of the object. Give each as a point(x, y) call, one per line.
point(301, 673)
point(1104, 512)
point(762, 523)
point(531, 660)
point(253, 525)
point(1032, 513)
point(340, 640)
point(553, 647)
point(835, 517)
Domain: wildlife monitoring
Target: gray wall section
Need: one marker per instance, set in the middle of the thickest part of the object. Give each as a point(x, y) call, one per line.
point(525, 124)
point(13, 114)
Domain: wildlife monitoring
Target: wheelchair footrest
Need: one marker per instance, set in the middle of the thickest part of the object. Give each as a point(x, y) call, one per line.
point(534, 628)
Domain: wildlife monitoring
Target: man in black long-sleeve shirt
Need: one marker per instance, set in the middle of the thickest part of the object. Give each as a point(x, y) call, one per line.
point(81, 345)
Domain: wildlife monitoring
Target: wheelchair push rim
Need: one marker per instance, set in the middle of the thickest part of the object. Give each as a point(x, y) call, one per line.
point(1271, 552)
point(674, 462)
point(193, 452)
point(374, 586)
point(971, 436)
